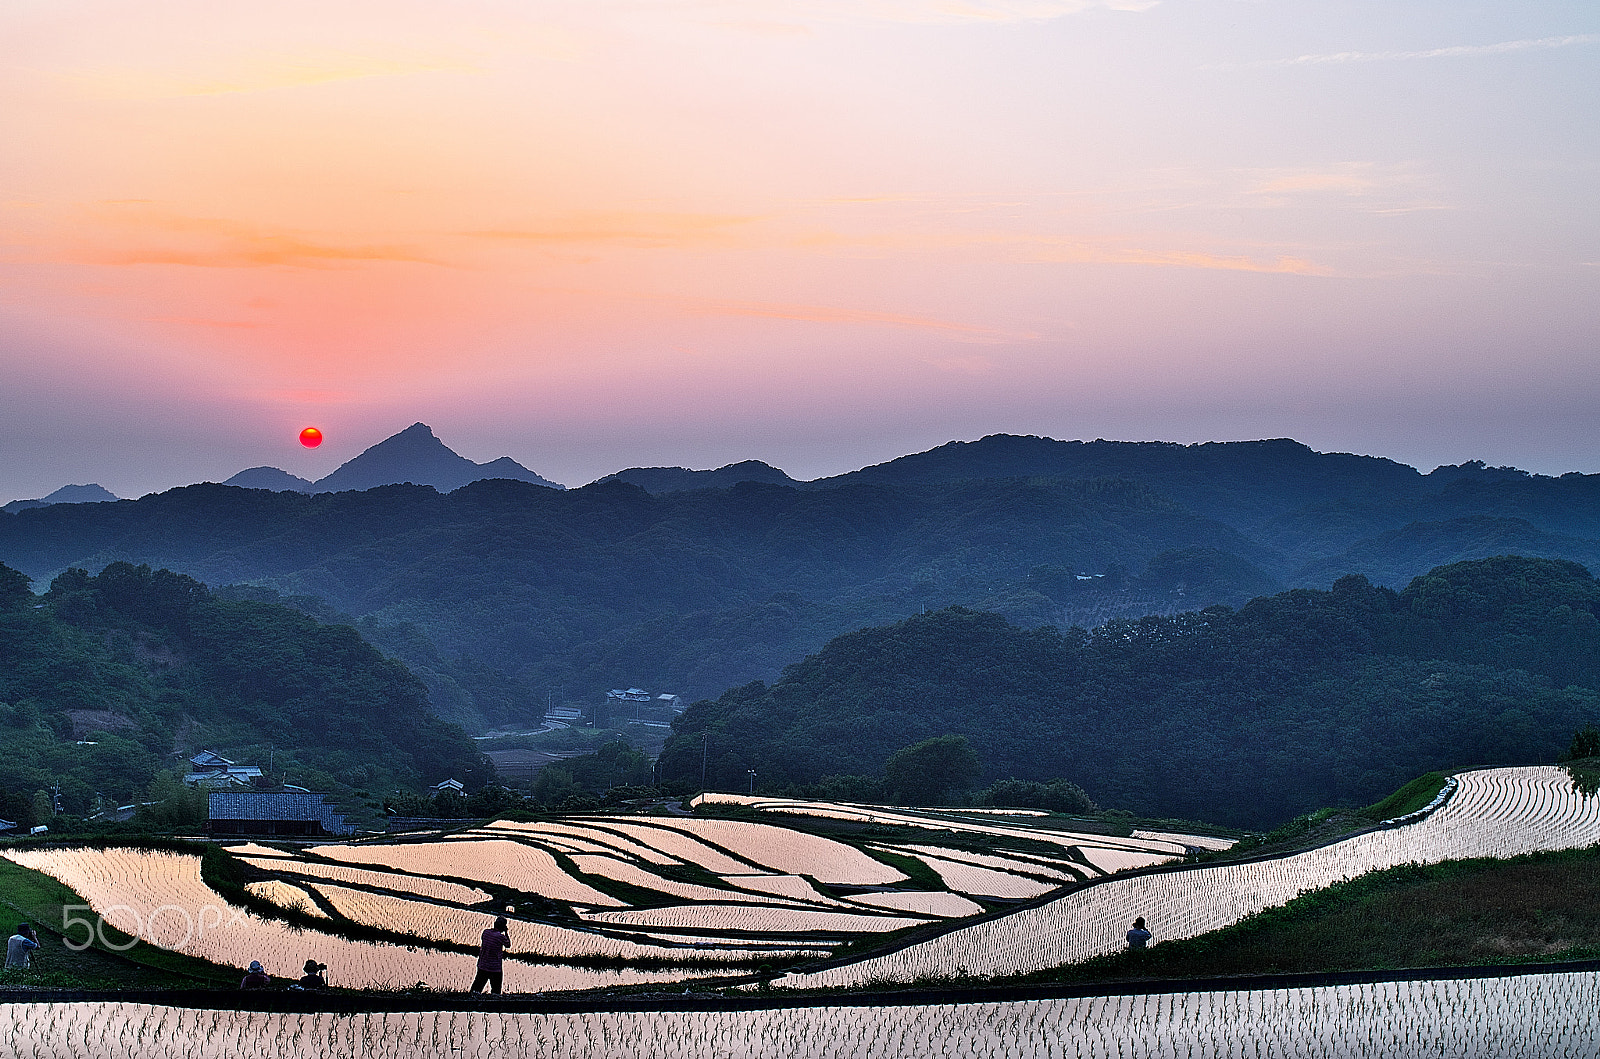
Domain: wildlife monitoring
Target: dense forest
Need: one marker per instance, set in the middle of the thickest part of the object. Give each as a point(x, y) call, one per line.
point(108, 680)
point(504, 595)
point(1248, 716)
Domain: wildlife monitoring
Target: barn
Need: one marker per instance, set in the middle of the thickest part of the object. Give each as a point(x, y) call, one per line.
point(297, 814)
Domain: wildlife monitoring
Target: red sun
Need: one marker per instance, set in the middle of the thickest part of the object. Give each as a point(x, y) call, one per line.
point(310, 437)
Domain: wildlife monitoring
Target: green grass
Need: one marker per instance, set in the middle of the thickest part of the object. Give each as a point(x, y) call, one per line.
point(1408, 799)
point(1535, 908)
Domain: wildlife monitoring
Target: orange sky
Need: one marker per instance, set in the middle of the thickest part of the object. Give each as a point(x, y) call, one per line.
point(818, 233)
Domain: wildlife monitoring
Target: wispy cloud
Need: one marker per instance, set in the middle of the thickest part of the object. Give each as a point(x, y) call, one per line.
point(1452, 52)
point(153, 238)
point(257, 254)
point(1362, 186)
point(825, 314)
point(256, 74)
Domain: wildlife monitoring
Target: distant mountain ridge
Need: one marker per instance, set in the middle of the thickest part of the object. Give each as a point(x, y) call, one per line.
point(279, 481)
point(1248, 480)
point(682, 480)
point(67, 494)
point(414, 456)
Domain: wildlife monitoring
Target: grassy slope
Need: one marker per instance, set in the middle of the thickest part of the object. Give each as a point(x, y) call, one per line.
point(1536, 908)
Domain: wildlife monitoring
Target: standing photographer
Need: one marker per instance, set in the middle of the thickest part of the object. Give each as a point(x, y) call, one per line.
point(495, 942)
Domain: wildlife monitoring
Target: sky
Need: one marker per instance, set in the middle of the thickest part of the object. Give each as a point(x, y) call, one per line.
point(594, 234)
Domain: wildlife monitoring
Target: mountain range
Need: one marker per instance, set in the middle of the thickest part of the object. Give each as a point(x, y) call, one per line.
point(502, 594)
point(413, 456)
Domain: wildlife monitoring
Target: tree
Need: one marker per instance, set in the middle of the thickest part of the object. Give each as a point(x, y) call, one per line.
point(1058, 796)
point(925, 772)
point(1585, 743)
point(169, 802)
point(554, 785)
point(14, 589)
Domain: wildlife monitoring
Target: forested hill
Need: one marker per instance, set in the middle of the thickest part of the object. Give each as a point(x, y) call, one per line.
point(1294, 701)
point(608, 585)
point(1242, 482)
point(107, 679)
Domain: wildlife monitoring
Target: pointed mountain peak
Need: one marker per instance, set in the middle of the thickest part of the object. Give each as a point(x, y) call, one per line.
point(417, 456)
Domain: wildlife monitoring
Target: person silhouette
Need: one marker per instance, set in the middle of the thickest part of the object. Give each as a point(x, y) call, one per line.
point(495, 942)
point(1138, 936)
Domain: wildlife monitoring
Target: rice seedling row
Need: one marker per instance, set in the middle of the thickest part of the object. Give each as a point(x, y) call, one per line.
point(1544, 1016)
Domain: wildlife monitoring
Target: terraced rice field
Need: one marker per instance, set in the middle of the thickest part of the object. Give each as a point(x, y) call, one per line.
point(1157, 846)
point(597, 839)
point(421, 886)
point(712, 895)
point(1534, 1016)
point(935, 903)
point(1211, 842)
point(786, 851)
point(755, 919)
point(1494, 813)
point(793, 887)
point(622, 871)
point(499, 861)
point(160, 897)
point(253, 849)
point(969, 879)
point(463, 927)
point(285, 895)
point(1004, 864)
point(646, 887)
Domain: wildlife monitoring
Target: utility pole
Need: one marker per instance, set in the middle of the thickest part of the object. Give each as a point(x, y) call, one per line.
point(704, 742)
point(752, 782)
